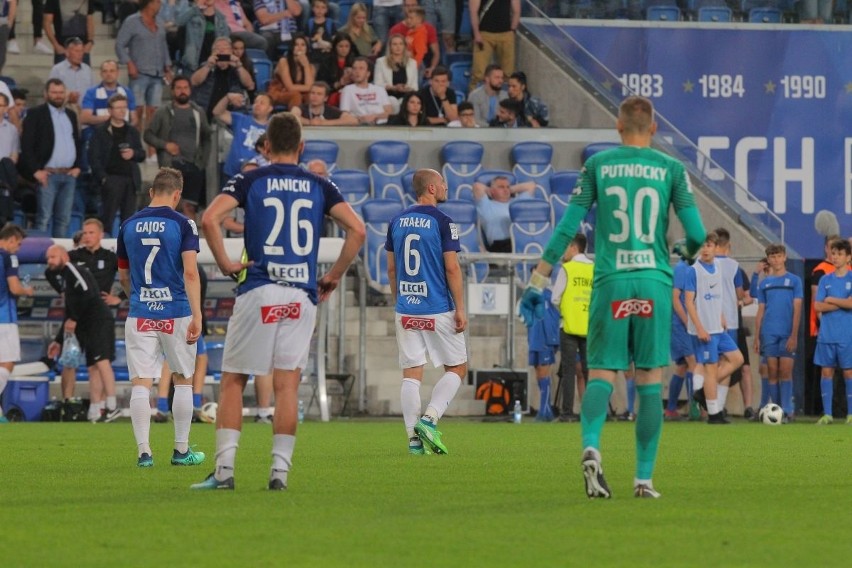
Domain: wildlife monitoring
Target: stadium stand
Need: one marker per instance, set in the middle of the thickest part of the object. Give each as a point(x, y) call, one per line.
point(530, 230)
point(462, 163)
point(377, 214)
point(532, 163)
point(355, 187)
point(325, 150)
point(463, 214)
point(388, 163)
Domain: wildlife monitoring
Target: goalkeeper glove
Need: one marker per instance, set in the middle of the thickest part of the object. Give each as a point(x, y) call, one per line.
point(680, 249)
point(532, 302)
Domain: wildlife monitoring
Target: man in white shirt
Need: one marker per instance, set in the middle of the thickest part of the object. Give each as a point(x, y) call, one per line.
point(366, 101)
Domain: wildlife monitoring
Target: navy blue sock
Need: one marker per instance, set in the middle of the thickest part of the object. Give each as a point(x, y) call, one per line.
point(196, 400)
point(163, 404)
point(631, 395)
point(826, 387)
point(786, 388)
point(675, 385)
point(544, 398)
point(764, 391)
point(689, 385)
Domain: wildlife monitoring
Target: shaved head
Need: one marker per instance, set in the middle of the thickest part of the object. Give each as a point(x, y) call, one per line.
point(423, 179)
point(57, 257)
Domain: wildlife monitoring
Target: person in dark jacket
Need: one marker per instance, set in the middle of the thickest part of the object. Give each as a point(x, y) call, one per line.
point(114, 153)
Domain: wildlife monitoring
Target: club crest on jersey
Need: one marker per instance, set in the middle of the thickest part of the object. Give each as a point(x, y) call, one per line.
point(275, 314)
point(162, 326)
point(454, 231)
point(632, 259)
point(418, 324)
point(634, 307)
point(155, 294)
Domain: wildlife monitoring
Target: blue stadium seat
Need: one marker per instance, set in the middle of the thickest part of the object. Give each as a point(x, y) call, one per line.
point(355, 187)
point(325, 150)
point(558, 204)
point(764, 16)
point(563, 182)
point(214, 360)
point(715, 14)
point(119, 364)
point(344, 6)
point(377, 215)
point(532, 163)
point(460, 76)
point(530, 230)
point(262, 74)
point(663, 13)
point(457, 57)
point(463, 214)
point(592, 149)
point(388, 163)
point(409, 197)
point(462, 163)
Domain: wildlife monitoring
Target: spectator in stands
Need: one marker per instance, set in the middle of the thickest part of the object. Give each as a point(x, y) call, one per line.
point(486, 97)
point(444, 12)
point(279, 20)
point(181, 135)
point(246, 129)
point(293, 75)
point(39, 45)
point(96, 265)
point(260, 159)
point(433, 58)
point(239, 47)
point(50, 154)
point(202, 24)
point(320, 28)
point(18, 111)
point(9, 148)
point(365, 40)
point(386, 13)
point(492, 206)
point(508, 112)
point(396, 71)
point(222, 74)
point(467, 117)
point(11, 236)
point(95, 104)
point(417, 36)
point(239, 25)
point(66, 19)
point(141, 45)
point(316, 112)
point(336, 68)
point(317, 166)
point(439, 100)
point(411, 112)
point(534, 111)
point(493, 24)
point(369, 103)
point(114, 154)
point(74, 72)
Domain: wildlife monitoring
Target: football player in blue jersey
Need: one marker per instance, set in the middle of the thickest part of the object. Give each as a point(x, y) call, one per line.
point(430, 316)
point(10, 286)
point(275, 312)
point(157, 251)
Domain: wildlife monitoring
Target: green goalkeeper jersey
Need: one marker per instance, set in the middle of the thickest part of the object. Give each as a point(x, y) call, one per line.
point(633, 188)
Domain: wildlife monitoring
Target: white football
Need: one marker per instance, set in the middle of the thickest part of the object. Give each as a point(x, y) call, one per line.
point(771, 414)
point(209, 410)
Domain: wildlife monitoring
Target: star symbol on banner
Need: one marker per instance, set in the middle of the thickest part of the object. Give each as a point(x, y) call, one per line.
point(769, 87)
point(688, 86)
point(849, 88)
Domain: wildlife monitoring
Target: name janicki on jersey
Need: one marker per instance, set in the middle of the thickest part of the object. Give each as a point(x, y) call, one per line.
point(288, 184)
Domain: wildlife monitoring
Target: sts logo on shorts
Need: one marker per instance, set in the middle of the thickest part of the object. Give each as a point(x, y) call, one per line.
point(163, 326)
point(418, 324)
point(633, 307)
point(275, 314)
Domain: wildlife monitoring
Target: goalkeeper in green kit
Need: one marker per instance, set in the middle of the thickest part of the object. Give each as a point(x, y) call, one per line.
point(631, 306)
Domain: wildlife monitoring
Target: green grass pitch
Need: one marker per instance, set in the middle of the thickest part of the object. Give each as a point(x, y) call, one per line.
point(507, 495)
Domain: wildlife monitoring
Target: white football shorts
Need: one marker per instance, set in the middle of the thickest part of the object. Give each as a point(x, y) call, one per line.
point(435, 334)
point(10, 343)
point(271, 328)
point(150, 341)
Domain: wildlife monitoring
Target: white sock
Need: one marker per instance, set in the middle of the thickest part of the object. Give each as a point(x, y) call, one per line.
point(410, 397)
point(182, 413)
point(4, 378)
point(712, 406)
point(264, 411)
point(722, 396)
point(140, 417)
point(110, 403)
point(697, 382)
point(442, 396)
point(227, 441)
point(282, 455)
point(94, 410)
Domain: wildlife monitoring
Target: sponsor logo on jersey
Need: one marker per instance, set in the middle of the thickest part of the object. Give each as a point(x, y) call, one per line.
point(289, 272)
point(454, 231)
point(162, 326)
point(634, 307)
point(418, 324)
point(632, 259)
point(275, 314)
point(155, 294)
point(413, 288)
point(13, 259)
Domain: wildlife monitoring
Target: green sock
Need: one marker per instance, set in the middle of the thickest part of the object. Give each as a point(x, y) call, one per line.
point(593, 412)
point(649, 426)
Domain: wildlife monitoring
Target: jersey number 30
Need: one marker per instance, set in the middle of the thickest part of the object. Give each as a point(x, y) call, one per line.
point(643, 225)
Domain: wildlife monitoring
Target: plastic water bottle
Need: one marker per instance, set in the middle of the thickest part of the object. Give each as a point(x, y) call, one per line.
point(25, 279)
point(517, 414)
point(301, 411)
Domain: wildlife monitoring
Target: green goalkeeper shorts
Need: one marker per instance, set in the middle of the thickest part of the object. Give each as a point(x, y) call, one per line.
point(630, 319)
